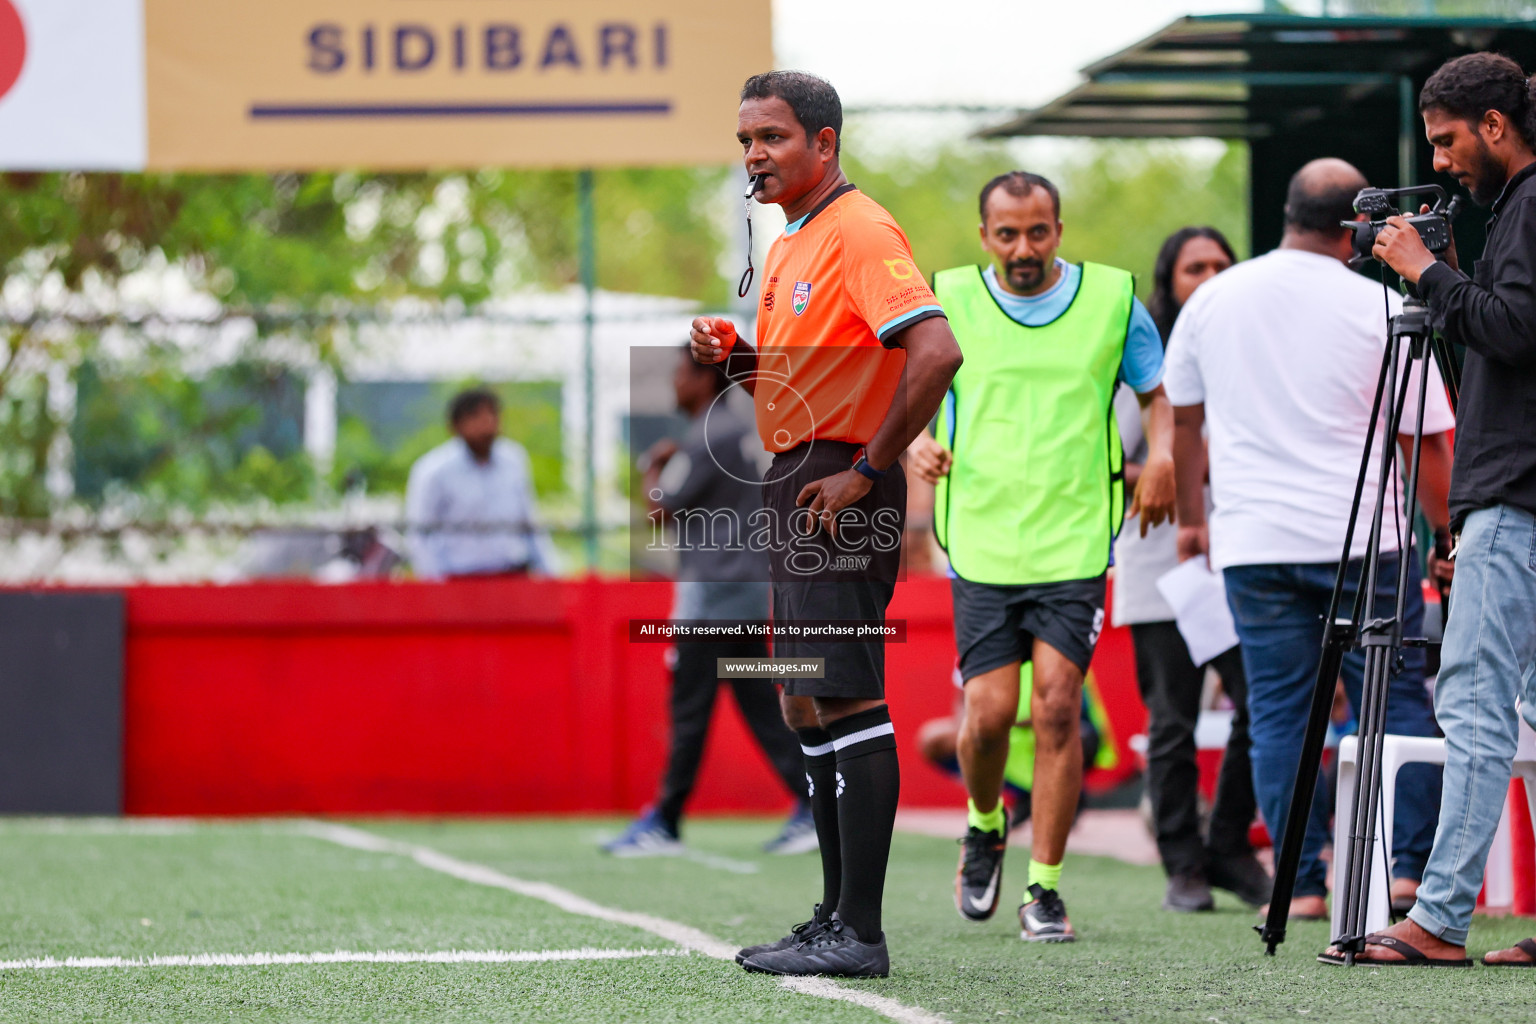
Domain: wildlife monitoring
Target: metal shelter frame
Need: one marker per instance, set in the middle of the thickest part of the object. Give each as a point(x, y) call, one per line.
point(1293, 86)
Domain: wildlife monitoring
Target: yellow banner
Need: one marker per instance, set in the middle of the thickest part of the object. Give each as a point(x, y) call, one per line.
point(420, 84)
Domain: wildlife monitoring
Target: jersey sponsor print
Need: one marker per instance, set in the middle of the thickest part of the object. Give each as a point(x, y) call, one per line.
point(830, 364)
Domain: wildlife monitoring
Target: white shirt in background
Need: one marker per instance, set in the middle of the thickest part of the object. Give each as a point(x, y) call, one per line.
point(467, 517)
point(1284, 351)
point(1139, 561)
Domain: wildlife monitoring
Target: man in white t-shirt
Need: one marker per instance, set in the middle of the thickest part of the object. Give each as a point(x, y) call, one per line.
point(1279, 357)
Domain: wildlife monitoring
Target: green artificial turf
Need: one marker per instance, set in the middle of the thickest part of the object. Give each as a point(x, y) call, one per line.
point(86, 890)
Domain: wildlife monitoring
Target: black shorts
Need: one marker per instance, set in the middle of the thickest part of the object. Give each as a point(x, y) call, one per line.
point(816, 578)
point(996, 625)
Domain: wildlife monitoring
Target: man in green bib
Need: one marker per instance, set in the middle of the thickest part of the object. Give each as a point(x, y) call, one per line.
point(1030, 495)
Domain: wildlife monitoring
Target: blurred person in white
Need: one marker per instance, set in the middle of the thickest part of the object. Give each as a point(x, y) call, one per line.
point(1171, 684)
point(470, 505)
point(1280, 356)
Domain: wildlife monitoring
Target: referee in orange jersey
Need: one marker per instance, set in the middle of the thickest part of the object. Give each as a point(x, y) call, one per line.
point(854, 357)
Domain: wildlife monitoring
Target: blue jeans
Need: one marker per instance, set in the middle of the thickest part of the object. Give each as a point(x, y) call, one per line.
point(1278, 610)
point(1489, 659)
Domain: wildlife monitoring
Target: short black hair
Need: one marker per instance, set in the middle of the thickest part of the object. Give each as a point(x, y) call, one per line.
point(716, 371)
point(1471, 85)
point(1322, 210)
point(1020, 184)
point(470, 401)
point(812, 99)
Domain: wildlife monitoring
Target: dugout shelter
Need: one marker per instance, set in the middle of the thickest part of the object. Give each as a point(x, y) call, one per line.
point(1293, 87)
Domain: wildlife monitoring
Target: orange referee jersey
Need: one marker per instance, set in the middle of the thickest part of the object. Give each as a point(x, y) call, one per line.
point(840, 285)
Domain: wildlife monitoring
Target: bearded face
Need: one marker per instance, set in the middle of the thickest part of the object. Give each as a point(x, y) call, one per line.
point(1485, 175)
point(1462, 152)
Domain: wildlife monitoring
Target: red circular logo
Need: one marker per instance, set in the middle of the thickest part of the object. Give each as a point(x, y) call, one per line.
point(13, 46)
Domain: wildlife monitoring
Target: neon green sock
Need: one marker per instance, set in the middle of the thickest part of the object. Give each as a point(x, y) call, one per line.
point(1046, 876)
point(989, 821)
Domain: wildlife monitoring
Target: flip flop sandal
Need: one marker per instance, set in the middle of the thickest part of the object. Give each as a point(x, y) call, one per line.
point(1527, 946)
point(1411, 956)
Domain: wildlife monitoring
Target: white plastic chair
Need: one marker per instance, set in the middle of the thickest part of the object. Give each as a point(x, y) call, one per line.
point(1396, 751)
point(1499, 880)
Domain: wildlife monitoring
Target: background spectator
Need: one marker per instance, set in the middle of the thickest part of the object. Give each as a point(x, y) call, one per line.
point(701, 484)
point(470, 503)
point(1282, 355)
point(1171, 684)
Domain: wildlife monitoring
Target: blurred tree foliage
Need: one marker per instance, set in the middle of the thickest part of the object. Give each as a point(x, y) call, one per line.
point(27, 430)
point(1118, 202)
point(231, 435)
point(377, 453)
point(1443, 8)
point(311, 242)
point(148, 426)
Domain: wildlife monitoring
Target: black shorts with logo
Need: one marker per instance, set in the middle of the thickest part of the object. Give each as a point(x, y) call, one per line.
point(996, 625)
point(817, 578)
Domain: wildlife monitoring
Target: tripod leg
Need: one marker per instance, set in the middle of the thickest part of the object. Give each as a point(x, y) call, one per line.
point(1288, 857)
point(1382, 640)
point(1355, 874)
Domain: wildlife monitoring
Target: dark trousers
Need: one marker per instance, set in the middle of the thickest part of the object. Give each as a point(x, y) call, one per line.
point(694, 682)
point(1170, 687)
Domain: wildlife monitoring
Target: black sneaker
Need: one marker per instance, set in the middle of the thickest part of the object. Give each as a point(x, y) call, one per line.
point(1241, 875)
point(835, 950)
point(801, 932)
point(1188, 894)
point(1044, 917)
point(979, 878)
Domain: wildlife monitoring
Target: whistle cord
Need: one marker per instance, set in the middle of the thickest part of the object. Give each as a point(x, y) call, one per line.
point(746, 279)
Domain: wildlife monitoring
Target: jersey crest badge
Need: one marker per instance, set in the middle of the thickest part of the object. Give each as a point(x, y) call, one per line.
point(801, 297)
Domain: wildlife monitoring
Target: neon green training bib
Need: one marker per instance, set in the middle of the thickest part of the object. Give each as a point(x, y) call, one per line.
point(1037, 489)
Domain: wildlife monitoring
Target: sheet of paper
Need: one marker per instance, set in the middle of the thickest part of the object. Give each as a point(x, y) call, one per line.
point(1199, 602)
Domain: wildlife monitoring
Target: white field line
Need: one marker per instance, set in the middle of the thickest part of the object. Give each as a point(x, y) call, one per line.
point(340, 956)
point(719, 863)
point(673, 931)
point(479, 874)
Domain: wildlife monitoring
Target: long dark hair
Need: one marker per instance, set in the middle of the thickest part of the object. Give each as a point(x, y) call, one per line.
point(1163, 306)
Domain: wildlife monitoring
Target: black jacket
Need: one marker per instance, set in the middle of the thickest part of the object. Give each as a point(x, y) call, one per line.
point(1494, 315)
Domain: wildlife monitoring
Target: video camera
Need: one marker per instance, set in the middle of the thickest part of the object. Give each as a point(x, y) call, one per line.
point(1433, 227)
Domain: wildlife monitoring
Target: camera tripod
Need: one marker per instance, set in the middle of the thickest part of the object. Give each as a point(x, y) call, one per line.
point(1376, 630)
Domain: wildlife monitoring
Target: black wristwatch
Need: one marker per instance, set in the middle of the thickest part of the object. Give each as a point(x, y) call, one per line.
point(863, 468)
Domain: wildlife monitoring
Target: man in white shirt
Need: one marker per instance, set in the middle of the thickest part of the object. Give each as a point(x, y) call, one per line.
point(469, 502)
point(1280, 357)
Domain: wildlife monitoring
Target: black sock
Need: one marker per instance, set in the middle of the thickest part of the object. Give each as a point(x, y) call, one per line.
point(821, 791)
point(868, 783)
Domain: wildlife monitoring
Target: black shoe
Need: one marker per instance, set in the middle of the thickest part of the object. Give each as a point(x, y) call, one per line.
point(1044, 917)
point(979, 878)
point(1243, 876)
point(834, 950)
point(1188, 894)
point(802, 932)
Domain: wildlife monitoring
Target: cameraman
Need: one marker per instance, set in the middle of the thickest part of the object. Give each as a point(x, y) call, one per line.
point(1478, 115)
point(1281, 356)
